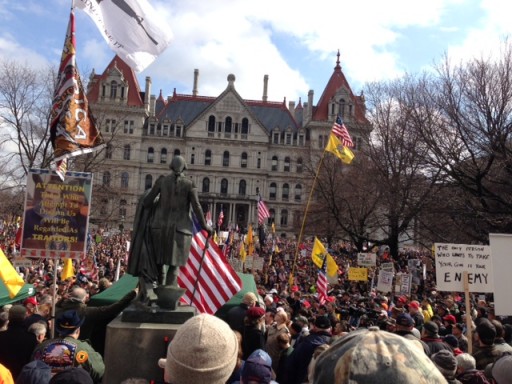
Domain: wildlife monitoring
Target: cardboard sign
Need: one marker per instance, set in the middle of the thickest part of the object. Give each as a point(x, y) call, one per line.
point(358, 274)
point(366, 259)
point(452, 260)
point(388, 267)
point(385, 281)
point(501, 244)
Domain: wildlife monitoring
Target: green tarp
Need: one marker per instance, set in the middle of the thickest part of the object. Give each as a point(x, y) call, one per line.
point(128, 282)
point(26, 291)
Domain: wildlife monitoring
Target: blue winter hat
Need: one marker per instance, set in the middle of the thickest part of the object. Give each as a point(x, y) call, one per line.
point(67, 322)
point(257, 368)
point(35, 372)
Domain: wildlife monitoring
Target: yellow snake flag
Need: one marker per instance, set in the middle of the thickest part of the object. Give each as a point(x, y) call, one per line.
point(67, 270)
point(318, 254)
point(12, 280)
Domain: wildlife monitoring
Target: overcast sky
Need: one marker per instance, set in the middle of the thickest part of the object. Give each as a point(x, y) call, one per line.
point(294, 42)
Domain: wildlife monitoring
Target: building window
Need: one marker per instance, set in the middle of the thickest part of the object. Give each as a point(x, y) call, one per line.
point(284, 218)
point(272, 191)
point(125, 178)
point(228, 126)
point(301, 140)
point(128, 126)
point(298, 192)
point(243, 162)
point(106, 179)
point(108, 151)
point(178, 130)
point(245, 127)
point(165, 130)
point(322, 141)
point(126, 152)
point(288, 139)
point(225, 159)
point(275, 138)
point(274, 163)
point(192, 158)
point(299, 165)
point(242, 187)
point(286, 191)
point(163, 156)
point(148, 182)
point(287, 164)
point(152, 128)
point(103, 208)
point(272, 217)
point(151, 154)
point(258, 163)
point(159, 129)
point(208, 157)
point(113, 89)
point(211, 126)
point(110, 125)
point(224, 186)
point(206, 185)
point(177, 152)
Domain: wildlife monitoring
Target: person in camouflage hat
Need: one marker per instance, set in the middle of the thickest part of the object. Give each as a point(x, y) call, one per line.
point(374, 356)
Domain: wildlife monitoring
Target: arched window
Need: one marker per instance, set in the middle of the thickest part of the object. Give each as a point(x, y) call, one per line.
point(228, 124)
point(163, 156)
point(224, 186)
point(148, 182)
point(208, 157)
point(109, 151)
point(274, 163)
point(151, 154)
point(272, 191)
point(122, 209)
point(287, 164)
point(243, 160)
point(177, 152)
point(192, 158)
point(106, 179)
point(211, 124)
point(284, 218)
point(245, 127)
point(206, 185)
point(125, 178)
point(286, 191)
point(299, 165)
point(242, 187)
point(113, 89)
point(225, 159)
point(127, 152)
point(298, 192)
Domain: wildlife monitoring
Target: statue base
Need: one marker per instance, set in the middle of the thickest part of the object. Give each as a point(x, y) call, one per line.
point(168, 296)
point(139, 313)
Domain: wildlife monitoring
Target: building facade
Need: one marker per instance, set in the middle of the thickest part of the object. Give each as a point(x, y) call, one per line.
point(236, 149)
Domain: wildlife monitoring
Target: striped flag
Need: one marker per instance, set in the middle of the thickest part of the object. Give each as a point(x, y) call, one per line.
point(72, 128)
point(210, 281)
point(321, 285)
point(221, 218)
point(263, 212)
point(340, 131)
point(208, 218)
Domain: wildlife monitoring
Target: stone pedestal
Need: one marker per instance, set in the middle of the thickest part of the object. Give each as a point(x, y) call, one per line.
point(132, 349)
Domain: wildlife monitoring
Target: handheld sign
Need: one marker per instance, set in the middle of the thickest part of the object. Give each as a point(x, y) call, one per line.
point(366, 259)
point(452, 260)
point(358, 274)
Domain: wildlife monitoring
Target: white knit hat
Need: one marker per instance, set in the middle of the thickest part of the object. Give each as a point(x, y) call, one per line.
point(204, 349)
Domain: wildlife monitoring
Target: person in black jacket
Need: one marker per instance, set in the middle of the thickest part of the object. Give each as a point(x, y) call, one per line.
point(253, 335)
point(16, 343)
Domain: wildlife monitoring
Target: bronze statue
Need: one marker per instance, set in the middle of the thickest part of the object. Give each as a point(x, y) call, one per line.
point(163, 231)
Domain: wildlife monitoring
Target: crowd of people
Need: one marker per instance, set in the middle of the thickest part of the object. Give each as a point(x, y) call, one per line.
point(283, 333)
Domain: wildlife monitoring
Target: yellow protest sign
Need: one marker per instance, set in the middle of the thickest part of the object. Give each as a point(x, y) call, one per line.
point(358, 274)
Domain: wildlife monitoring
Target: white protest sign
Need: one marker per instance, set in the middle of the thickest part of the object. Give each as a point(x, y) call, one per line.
point(366, 259)
point(385, 281)
point(405, 284)
point(388, 267)
point(501, 244)
point(452, 260)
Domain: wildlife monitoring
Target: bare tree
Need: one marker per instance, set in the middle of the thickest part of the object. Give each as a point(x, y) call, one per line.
point(25, 103)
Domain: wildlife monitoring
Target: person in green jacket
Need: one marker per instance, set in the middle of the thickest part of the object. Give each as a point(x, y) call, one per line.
point(66, 350)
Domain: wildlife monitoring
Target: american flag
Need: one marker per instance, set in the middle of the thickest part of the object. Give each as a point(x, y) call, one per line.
point(209, 282)
point(340, 131)
point(263, 212)
point(321, 285)
point(209, 218)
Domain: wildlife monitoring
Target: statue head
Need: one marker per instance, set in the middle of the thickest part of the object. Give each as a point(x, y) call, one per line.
point(178, 164)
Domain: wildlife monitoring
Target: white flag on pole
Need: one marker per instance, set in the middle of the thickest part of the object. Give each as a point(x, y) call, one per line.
point(132, 29)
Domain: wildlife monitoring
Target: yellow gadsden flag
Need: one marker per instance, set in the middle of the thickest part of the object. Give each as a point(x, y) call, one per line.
point(250, 241)
point(332, 267)
point(319, 253)
point(12, 280)
point(243, 253)
point(339, 150)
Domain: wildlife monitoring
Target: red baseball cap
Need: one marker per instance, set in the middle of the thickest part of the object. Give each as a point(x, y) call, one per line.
point(414, 304)
point(450, 319)
point(31, 300)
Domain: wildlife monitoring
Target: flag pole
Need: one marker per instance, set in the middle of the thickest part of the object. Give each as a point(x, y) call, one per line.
point(301, 233)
